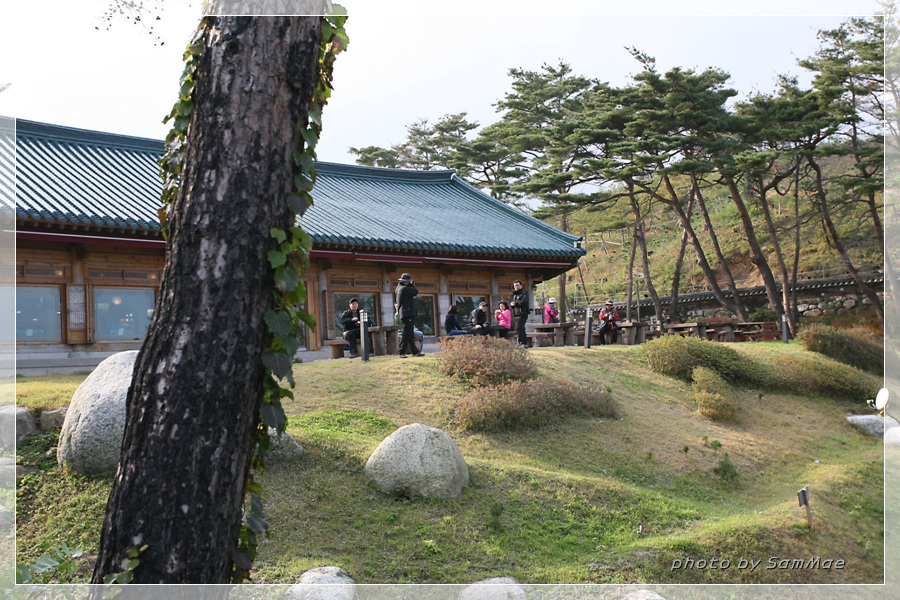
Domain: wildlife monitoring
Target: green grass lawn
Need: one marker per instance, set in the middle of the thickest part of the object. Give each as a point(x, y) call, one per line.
point(584, 501)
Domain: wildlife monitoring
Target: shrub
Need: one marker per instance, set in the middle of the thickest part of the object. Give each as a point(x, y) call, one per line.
point(713, 395)
point(714, 406)
point(814, 374)
point(485, 360)
point(763, 313)
point(725, 468)
point(707, 380)
point(677, 356)
point(857, 347)
point(532, 403)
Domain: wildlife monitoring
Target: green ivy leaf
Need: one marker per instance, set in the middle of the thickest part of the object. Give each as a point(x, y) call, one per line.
point(303, 182)
point(277, 362)
point(286, 280)
point(307, 318)
point(254, 488)
point(279, 323)
point(310, 137)
point(257, 524)
point(273, 416)
point(276, 258)
point(243, 559)
point(185, 108)
point(256, 504)
point(298, 203)
point(278, 234)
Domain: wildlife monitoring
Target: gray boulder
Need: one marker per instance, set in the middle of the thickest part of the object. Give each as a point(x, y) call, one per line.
point(495, 588)
point(91, 436)
point(322, 583)
point(871, 424)
point(16, 423)
point(53, 418)
point(283, 447)
point(417, 460)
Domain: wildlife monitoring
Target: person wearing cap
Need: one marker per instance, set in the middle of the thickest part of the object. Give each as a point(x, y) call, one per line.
point(608, 317)
point(520, 310)
point(405, 307)
point(551, 315)
point(350, 321)
point(481, 324)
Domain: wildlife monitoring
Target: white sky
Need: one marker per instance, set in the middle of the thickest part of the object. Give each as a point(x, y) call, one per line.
point(407, 59)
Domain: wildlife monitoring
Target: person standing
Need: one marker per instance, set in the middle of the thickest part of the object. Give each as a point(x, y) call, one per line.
point(608, 317)
point(520, 310)
point(405, 306)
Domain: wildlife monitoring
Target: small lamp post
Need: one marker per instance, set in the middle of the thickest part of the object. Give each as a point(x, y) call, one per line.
point(364, 334)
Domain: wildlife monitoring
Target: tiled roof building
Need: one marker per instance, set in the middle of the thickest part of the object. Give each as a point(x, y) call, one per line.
point(89, 240)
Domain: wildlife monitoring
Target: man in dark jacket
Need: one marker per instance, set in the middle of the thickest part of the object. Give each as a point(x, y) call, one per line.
point(351, 323)
point(520, 310)
point(405, 305)
point(478, 322)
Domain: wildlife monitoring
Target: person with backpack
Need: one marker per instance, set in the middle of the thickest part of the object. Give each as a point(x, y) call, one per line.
point(551, 315)
point(608, 317)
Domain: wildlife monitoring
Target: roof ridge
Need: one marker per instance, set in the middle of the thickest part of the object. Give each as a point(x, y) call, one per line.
point(62, 133)
point(364, 171)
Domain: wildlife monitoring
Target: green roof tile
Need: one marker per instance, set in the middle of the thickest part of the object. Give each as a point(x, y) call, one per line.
point(74, 176)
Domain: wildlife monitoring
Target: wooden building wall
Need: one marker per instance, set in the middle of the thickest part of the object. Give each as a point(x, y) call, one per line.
point(88, 279)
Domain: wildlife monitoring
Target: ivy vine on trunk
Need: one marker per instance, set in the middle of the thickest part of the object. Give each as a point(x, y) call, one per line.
point(216, 361)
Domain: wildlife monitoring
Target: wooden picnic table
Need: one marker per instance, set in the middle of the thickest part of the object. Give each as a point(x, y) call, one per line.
point(756, 330)
point(563, 333)
point(697, 329)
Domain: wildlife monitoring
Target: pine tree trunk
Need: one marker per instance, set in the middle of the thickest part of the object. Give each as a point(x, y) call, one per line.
point(645, 259)
point(779, 258)
point(695, 242)
point(758, 258)
point(723, 264)
point(828, 223)
point(194, 399)
point(561, 281)
point(679, 263)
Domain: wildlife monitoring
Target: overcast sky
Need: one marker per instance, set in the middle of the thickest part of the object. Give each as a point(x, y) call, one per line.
point(407, 60)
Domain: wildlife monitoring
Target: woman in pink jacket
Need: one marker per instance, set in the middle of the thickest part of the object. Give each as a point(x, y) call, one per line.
point(551, 315)
point(504, 319)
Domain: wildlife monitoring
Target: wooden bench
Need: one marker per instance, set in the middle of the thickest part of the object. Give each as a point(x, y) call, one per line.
point(539, 337)
point(336, 347)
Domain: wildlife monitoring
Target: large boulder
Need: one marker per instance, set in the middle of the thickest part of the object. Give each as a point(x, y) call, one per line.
point(16, 424)
point(322, 583)
point(495, 588)
point(871, 424)
point(417, 460)
point(91, 436)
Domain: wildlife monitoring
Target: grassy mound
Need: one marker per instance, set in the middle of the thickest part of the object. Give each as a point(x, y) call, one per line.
point(531, 403)
point(856, 347)
point(793, 372)
point(579, 500)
